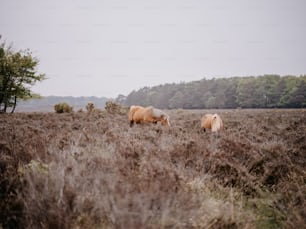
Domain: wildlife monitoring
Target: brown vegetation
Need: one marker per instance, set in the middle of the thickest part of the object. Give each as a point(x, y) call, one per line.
point(90, 107)
point(63, 108)
point(115, 108)
point(74, 170)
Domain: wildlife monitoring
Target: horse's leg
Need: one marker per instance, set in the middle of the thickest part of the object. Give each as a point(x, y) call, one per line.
point(131, 123)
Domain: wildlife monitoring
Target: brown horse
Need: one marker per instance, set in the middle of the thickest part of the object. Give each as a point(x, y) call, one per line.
point(139, 114)
point(212, 121)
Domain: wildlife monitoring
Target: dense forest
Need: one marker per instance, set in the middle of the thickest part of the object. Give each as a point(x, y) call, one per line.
point(268, 91)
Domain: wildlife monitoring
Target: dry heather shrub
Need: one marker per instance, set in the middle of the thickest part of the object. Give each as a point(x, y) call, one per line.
point(96, 182)
point(99, 173)
point(63, 108)
point(115, 108)
point(11, 205)
point(92, 191)
point(90, 107)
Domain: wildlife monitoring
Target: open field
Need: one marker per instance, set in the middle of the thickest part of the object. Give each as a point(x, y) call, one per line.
point(83, 170)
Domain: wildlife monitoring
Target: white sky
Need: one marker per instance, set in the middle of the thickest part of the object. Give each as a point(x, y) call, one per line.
point(106, 48)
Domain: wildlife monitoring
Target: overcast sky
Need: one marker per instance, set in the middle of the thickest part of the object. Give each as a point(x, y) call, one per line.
point(110, 47)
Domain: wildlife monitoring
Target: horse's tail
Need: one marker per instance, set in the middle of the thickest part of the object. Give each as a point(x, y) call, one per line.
point(132, 111)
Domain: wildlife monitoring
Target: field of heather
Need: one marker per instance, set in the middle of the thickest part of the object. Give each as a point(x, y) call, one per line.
point(92, 170)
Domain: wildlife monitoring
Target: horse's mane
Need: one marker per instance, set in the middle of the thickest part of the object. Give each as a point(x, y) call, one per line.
point(158, 113)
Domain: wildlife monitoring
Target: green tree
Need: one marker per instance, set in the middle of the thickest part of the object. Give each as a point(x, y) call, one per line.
point(291, 83)
point(246, 92)
point(231, 93)
point(268, 83)
point(219, 92)
point(298, 97)
point(17, 74)
point(177, 101)
point(276, 95)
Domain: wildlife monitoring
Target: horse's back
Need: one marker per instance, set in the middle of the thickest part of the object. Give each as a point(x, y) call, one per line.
point(206, 121)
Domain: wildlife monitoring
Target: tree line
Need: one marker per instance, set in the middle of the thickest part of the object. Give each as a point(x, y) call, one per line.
point(267, 91)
